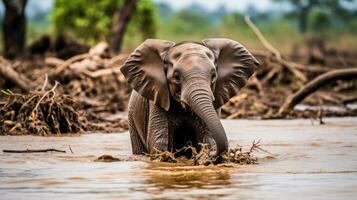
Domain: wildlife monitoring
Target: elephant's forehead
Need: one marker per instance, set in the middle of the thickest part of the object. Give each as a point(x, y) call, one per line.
point(190, 47)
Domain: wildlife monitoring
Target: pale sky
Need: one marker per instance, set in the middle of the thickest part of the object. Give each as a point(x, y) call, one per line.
point(231, 5)
point(239, 5)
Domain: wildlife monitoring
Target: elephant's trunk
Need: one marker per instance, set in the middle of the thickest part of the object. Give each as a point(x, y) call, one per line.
point(197, 94)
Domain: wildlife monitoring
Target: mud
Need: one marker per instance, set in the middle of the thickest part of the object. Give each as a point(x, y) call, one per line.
point(311, 161)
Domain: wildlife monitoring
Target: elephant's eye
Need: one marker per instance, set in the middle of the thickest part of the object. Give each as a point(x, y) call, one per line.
point(214, 77)
point(176, 76)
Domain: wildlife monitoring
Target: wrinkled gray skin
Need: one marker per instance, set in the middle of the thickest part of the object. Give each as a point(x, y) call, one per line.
point(178, 90)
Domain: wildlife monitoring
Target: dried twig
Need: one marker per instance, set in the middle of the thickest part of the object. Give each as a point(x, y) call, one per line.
point(261, 37)
point(45, 83)
point(70, 148)
point(320, 115)
point(33, 151)
point(43, 96)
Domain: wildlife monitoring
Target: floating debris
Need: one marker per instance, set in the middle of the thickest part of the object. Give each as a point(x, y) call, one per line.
point(204, 155)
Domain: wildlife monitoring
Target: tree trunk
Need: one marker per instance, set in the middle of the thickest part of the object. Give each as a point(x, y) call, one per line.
point(120, 21)
point(303, 17)
point(304, 12)
point(14, 28)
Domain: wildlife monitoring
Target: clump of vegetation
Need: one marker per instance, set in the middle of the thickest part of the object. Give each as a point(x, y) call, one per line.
point(204, 155)
point(40, 113)
point(47, 113)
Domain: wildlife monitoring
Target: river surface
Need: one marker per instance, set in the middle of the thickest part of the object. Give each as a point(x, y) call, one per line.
point(311, 161)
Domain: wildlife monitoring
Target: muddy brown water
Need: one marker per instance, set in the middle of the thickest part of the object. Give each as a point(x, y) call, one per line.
point(312, 161)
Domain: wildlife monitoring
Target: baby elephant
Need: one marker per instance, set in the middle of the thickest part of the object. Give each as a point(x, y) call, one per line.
point(178, 90)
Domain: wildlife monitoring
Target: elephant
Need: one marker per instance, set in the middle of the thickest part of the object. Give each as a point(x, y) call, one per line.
point(179, 89)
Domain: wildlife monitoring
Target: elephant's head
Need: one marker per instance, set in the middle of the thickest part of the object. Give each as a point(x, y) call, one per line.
point(202, 76)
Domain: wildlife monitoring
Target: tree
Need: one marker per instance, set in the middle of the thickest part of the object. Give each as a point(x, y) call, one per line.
point(14, 28)
point(302, 9)
point(120, 21)
point(320, 22)
point(92, 21)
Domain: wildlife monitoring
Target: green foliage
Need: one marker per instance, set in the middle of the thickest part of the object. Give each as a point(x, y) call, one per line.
point(185, 25)
point(233, 26)
point(320, 22)
point(91, 20)
point(146, 19)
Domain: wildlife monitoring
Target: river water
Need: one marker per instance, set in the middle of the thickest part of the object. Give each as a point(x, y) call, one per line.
point(311, 161)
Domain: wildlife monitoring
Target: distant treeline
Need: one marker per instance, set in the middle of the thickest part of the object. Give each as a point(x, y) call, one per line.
point(90, 21)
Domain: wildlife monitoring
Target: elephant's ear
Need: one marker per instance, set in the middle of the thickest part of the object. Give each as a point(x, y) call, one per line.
point(235, 64)
point(144, 70)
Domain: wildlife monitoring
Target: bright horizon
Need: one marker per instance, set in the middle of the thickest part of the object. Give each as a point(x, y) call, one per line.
point(231, 5)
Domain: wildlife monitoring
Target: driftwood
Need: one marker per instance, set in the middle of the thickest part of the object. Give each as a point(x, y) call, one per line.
point(66, 63)
point(53, 61)
point(315, 84)
point(102, 72)
point(9, 74)
point(346, 99)
point(33, 151)
point(79, 63)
